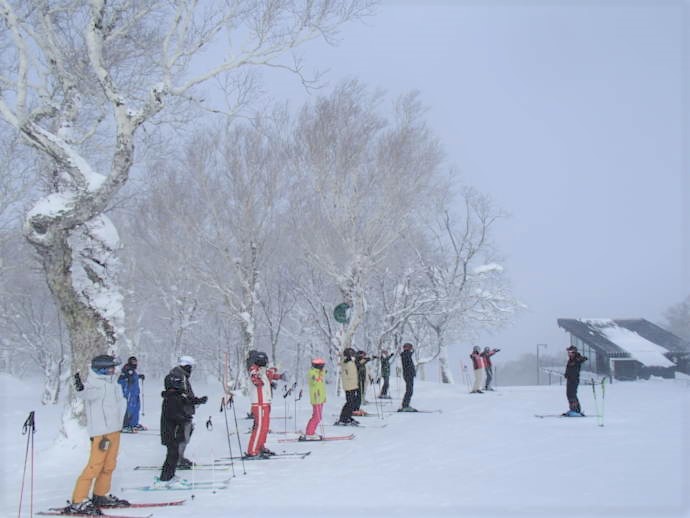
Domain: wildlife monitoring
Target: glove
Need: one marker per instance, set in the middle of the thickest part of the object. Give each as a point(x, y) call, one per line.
point(78, 385)
point(283, 376)
point(202, 400)
point(497, 350)
point(142, 377)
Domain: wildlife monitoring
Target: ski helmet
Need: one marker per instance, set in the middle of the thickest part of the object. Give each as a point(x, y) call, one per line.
point(349, 352)
point(407, 346)
point(104, 361)
point(572, 349)
point(486, 350)
point(261, 359)
point(186, 360)
point(250, 357)
point(475, 349)
point(318, 363)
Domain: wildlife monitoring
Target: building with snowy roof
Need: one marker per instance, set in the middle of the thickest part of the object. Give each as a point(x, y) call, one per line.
point(627, 349)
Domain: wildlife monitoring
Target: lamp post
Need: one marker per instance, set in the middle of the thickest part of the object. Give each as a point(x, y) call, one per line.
point(538, 365)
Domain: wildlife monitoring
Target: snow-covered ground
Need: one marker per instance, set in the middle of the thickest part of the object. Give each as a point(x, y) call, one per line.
point(484, 455)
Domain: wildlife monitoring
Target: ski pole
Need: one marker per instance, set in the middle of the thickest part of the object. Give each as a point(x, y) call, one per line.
point(377, 404)
point(596, 404)
point(29, 429)
point(603, 399)
point(297, 398)
point(143, 413)
point(223, 408)
point(237, 430)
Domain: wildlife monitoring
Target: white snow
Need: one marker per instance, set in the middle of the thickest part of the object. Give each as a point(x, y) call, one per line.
point(639, 348)
point(486, 455)
point(488, 268)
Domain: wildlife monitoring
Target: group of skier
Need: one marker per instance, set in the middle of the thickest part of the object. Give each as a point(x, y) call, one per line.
point(102, 399)
point(483, 369)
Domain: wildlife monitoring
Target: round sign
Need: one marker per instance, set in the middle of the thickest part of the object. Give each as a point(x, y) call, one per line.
point(341, 313)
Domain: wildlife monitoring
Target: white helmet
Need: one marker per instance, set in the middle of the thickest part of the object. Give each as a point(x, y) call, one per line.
point(186, 360)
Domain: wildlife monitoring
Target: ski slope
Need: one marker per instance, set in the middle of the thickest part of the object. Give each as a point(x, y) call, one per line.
point(485, 455)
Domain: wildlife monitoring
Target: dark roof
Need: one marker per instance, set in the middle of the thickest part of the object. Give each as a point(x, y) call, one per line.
point(589, 332)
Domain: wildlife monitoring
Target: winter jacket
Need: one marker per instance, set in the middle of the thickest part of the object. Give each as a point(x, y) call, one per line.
point(386, 365)
point(362, 370)
point(477, 361)
point(572, 368)
point(191, 400)
point(408, 368)
point(317, 385)
point(129, 381)
point(173, 416)
point(348, 374)
point(487, 357)
point(261, 378)
point(103, 404)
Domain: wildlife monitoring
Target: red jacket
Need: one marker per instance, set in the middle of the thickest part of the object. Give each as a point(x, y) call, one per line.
point(477, 360)
point(261, 378)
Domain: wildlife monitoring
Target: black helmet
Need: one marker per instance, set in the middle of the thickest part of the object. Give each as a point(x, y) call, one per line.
point(407, 346)
point(250, 357)
point(260, 359)
point(104, 361)
point(349, 352)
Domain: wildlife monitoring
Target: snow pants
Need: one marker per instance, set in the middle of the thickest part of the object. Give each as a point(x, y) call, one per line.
point(478, 380)
point(188, 430)
point(351, 399)
point(171, 459)
point(102, 462)
point(132, 413)
point(384, 388)
point(409, 389)
point(316, 414)
point(262, 419)
point(489, 371)
point(571, 394)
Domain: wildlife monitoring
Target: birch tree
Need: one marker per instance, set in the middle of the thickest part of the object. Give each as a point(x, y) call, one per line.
point(362, 173)
point(79, 79)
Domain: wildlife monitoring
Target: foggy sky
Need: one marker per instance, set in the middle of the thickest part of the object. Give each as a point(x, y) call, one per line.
point(573, 117)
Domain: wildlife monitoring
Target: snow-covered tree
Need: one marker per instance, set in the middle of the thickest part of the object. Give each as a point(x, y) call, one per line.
point(361, 173)
point(81, 78)
point(678, 319)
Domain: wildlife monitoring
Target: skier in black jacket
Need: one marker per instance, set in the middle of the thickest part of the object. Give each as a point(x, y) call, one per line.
point(409, 372)
point(174, 418)
point(572, 375)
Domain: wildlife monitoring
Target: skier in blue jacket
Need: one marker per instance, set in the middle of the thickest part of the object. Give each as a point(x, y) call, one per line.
point(129, 381)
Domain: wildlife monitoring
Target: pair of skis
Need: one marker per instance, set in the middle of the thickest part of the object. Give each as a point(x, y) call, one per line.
point(56, 511)
point(321, 438)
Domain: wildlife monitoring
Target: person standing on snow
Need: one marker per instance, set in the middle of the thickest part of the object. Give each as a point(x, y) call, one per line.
point(478, 365)
point(385, 360)
point(572, 375)
point(261, 379)
point(409, 373)
point(350, 382)
point(361, 363)
point(174, 420)
point(183, 370)
point(129, 381)
point(317, 396)
point(488, 366)
point(103, 407)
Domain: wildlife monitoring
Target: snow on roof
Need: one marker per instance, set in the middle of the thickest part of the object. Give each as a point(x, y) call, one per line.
point(640, 349)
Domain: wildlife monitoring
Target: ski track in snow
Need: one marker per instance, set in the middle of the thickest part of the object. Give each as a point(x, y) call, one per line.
point(485, 456)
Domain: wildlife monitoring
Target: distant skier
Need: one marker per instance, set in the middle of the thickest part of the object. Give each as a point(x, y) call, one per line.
point(385, 360)
point(478, 365)
point(572, 375)
point(261, 378)
point(103, 406)
point(488, 366)
point(350, 382)
point(409, 373)
point(129, 381)
point(174, 419)
point(361, 362)
point(317, 396)
point(183, 371)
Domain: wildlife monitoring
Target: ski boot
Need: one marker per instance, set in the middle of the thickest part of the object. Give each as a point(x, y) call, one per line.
point(85, 507)
point(109, 501)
